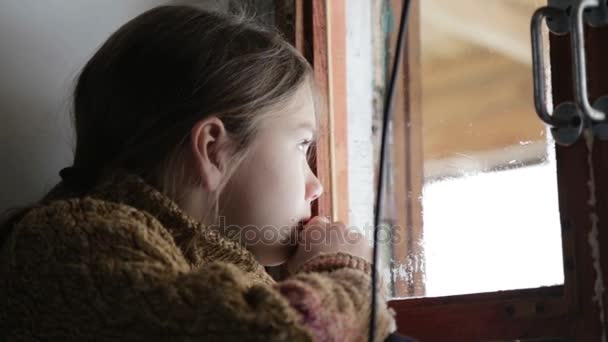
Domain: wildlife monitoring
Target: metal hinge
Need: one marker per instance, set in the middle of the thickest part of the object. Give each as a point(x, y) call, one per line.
point(569, 119)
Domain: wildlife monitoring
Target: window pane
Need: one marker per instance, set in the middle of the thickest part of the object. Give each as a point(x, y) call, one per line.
point(489, 215)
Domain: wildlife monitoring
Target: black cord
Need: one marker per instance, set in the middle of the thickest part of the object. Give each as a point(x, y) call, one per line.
point(388, 106)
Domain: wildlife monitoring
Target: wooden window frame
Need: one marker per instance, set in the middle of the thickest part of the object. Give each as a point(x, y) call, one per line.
point(317, 28)
point(569, 312)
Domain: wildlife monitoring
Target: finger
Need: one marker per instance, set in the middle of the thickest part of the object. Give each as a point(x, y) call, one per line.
point(353, 236)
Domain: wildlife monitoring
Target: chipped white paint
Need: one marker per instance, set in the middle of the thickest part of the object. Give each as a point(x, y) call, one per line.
point(360, 90)
point(593, 236)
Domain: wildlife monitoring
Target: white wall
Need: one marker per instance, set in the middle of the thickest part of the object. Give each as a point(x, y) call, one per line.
point(43, 45)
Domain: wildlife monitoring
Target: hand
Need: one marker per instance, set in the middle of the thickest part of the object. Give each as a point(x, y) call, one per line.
point(320, 236)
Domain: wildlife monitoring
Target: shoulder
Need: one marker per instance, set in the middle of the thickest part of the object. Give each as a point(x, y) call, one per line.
point(78, 213)
point(88, 216)
point(80, 228)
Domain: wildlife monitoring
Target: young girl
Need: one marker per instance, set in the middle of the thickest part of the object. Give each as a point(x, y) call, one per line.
point(190, 175)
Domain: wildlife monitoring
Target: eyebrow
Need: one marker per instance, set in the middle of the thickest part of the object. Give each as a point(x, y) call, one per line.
point(310, 127)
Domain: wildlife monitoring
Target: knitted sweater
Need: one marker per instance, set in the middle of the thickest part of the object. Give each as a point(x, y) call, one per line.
point(125, 263)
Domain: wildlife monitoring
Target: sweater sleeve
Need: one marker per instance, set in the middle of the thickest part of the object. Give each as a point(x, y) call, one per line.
point(332, 294)
point(96, 279)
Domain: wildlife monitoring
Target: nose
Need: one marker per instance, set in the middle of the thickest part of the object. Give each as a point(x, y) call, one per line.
point(314, 189)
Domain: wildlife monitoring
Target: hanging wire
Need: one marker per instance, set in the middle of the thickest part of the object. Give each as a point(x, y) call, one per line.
point(388, 106)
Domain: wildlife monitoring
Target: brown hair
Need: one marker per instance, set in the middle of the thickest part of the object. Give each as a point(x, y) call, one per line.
point(138, 97)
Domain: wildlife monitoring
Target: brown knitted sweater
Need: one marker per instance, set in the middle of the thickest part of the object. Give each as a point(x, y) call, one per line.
point(125, 263)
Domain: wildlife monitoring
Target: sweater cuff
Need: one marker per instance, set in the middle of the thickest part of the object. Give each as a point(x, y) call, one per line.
point(333, 261)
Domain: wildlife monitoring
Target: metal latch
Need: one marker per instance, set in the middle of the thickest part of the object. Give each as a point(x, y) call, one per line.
point(569, 119)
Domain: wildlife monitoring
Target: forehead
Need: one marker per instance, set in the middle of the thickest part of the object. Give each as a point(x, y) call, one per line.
point(298, 111)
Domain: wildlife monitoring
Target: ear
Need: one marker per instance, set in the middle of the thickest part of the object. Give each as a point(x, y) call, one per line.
point(207, 138)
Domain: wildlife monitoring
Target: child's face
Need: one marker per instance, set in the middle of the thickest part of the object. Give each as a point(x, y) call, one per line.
point(271, 191)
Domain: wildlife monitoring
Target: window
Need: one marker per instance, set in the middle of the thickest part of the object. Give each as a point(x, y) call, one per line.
point(481, 165)
point(567, 300)
point(557, 306)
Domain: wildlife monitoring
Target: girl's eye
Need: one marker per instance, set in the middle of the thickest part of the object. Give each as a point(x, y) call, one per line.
point(304, 145)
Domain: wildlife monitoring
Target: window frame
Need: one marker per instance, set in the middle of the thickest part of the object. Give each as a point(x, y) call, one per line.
point(554, 313)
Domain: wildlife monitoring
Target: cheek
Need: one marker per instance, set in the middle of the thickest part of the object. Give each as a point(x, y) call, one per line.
point(280, 185)
point(255, 192)
point(268, 189)
point(279, 179)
